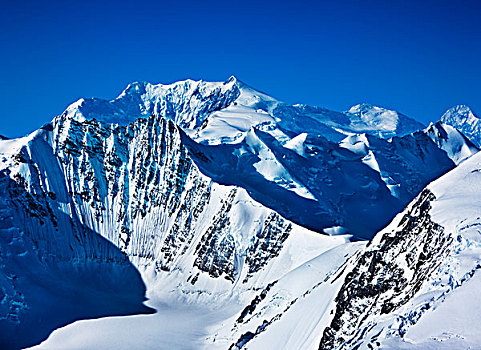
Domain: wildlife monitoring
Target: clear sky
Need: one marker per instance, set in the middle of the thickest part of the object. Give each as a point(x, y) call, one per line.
point(418, 57)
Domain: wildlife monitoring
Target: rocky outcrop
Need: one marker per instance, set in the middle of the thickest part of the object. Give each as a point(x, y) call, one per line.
point(387, 274)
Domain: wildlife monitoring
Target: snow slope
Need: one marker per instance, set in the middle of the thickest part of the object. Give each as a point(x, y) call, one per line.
point(244, 137)
point(186, 102)
point(219, 110)
point(457, 146)
point(400, 289)
point(54, 269)
point(380, 121)
point(250, 136)
point(414, 286)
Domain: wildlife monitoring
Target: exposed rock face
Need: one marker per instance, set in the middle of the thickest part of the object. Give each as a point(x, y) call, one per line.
point(387, 274)
point(188, 103)
point(242, 137)
point(139, 180)
point(215, 251)
point(51, 261)
point(103, 194)
point(267, 243)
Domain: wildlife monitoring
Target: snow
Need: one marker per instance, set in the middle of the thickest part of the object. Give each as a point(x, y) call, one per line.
point(301, 326)
point(459, 190)
point(450, 325)
point(241, 161)
point(270, 168)
point(444, 313)
point(184, 101)
point(465, 120)
point(370, 161)
point(241, 124)
point(457, 146)
point(380, 121)
point(219, 111)
point(373, 116)
point(297, 144)
point(229, 125)
point(453, 319)
point(148, 234)
point(186, 319)
point(173, 326)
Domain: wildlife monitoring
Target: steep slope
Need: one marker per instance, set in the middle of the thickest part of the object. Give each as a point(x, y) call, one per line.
point(54, 269)
point(406, 288)
point(321, 184)
point(187, 102)
point(240, 136)
point(463, 118)
point(288, 312)
point(127, 182)
point(95, 194)
point(218, 111)
point(421, 259)
point(405, 164)
point(457, 146)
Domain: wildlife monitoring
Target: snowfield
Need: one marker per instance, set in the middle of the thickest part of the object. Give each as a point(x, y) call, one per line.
point(173, 326)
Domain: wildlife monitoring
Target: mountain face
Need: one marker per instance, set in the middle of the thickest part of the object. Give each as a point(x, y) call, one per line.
point(187, 103)
point(216, 194)
point(381, 122)
point(462, 118)
point(233, 107)
point(413, 286)
point(93, 194)
point(412, 266)
point(242, 137)
point(456, 145)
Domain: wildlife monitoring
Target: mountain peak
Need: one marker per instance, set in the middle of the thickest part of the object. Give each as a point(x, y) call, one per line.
point(457, 146)
point(463, 118)
point(459, 112)
point(388, 123)
point(360, 107)
point(235, 106)
point(187, 102)
point(364, 108)
point(232, 79)
point(136, 87)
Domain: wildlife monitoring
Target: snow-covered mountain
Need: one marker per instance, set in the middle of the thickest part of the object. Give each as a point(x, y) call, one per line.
point(94, 194)
point(414, 286)
point(212, 195)
point(464, 119)
point(243, 137)
point(412, 268)
point(380, 121)
point(220, 111)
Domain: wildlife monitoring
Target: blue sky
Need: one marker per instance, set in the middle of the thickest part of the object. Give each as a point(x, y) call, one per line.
point(418, 57)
